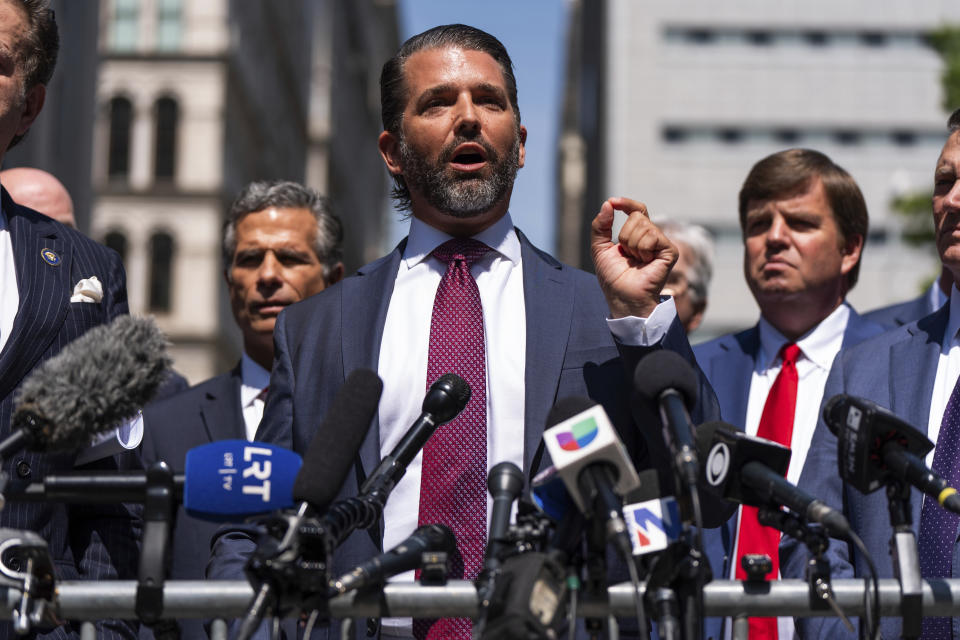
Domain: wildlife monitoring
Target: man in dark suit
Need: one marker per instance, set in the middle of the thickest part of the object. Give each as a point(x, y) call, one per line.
point(281, 244)
point(912, 370)
point(804, 222)
point(453, 143)
point(41, 262)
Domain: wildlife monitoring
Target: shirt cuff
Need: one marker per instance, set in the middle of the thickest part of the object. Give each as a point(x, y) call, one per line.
point(644, 332)
point(127, 436)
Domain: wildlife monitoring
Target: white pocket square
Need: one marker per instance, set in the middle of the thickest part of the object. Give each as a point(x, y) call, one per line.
point(87, 290)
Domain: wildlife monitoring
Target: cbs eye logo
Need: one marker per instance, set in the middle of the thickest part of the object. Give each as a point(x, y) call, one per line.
point(718, 464)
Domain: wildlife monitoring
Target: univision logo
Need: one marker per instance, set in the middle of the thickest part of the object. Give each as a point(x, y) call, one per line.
point(580, 435)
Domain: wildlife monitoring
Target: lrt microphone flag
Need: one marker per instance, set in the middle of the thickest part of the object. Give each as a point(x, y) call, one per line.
point(585, 439)
point(231, 479)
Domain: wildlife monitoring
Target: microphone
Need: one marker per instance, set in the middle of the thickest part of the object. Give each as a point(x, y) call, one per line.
point(231, 479)
point(874, 446)
point(224, 481)
point(329, 458)
point(592, 462)
point(750, 471)
point(404, 557)
point(100, 379)
point(653, 521)
point(444, 401)
point(665, 378)
point(505, 482)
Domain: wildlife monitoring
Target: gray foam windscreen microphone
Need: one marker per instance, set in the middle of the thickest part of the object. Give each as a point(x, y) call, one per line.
point(96, 382)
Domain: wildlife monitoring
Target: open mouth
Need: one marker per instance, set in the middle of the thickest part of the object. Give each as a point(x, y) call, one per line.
point(468, 157)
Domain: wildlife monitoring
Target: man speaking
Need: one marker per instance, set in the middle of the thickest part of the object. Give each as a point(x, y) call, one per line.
point(466, 292)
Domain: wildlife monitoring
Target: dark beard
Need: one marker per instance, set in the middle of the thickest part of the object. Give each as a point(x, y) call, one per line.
point(461, 196)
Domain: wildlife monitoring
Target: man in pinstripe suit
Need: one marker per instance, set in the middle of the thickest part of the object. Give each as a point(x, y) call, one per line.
point(41, 261)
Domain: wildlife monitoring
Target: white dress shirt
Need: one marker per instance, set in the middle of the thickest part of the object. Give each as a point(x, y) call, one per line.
point(9, 294)
point(403, 360)
point(253, 380)
point(818, 347)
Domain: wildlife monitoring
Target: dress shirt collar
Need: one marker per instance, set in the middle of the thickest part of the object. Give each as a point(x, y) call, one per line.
point(423, 239)
point(253, 379)
point(820, 345)
point(953, 321)
point(936, 298)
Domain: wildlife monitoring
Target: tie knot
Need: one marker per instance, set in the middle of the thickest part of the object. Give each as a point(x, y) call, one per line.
point(789, 353)
point(465, 249)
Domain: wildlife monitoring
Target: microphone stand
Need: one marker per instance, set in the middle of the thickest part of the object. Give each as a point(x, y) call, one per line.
point(906, 561)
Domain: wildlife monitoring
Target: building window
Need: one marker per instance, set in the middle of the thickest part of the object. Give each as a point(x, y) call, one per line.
point(169, 25)
point(121, 118)
point(161, 271)
point(873, 38)
point(786, 136)
point(816, 38)
point(166, 112)
point(674, 135)
point(730, 136)
point(846, 136)
point(904, 138)
point(118, 242)
point(123, 25)
point(759, 38)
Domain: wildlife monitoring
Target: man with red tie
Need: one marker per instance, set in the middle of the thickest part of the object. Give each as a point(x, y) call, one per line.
point(804, 223)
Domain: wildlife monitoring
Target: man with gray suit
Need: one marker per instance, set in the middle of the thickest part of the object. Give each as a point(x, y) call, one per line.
point(913, 371)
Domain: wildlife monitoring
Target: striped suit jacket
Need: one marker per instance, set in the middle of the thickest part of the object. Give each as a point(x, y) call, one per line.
point(84, 542)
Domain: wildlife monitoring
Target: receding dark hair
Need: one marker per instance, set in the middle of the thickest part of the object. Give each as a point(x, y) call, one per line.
point(283, 194)
point(789, 172)
point(953, 123)
point(393, 89)
point(37, 49)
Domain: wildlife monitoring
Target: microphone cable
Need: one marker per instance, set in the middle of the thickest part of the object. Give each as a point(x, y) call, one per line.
point(871, 614)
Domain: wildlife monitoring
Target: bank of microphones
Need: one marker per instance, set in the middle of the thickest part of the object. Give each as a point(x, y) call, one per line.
point(594, 512)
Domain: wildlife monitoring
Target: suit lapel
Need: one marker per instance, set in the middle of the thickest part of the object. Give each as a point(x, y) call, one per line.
point(43, 289)
point(913, 370)
point(364, 303)
point(548, 304)
point(735, 368)
point(221, 409)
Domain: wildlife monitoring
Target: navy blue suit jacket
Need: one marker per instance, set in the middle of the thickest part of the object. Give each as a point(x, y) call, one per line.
point(84, 542)
point(729, 362)
point(897, 315)
point(205, 413)
point(569, 352)
point(896, 370)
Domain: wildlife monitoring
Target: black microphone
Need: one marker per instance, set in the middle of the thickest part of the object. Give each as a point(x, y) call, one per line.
point(874, 445)
point(95, 383)
point(406, 556)
point(444, 401)
point(665, 378)
point(750, 471)
point(328, 460)
point(505, 482)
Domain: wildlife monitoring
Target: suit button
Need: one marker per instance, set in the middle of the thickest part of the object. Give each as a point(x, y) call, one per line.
point(14, 564)
point(373, 627)
point(23, 469)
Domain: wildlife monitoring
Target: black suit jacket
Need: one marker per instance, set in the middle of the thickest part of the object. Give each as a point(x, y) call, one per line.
point(205, 413)
point(84, 542)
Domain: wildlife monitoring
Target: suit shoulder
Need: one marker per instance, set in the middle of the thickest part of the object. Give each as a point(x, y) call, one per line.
point(179, 401)
point(900, 313)
point(731, 342)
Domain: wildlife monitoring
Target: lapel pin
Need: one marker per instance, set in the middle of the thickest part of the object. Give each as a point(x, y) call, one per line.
point(51, 257)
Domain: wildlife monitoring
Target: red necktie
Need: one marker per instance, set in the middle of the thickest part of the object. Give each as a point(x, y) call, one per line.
point(453, 480)
point(776, 424)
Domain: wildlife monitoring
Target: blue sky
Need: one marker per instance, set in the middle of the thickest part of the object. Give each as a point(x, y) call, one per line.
point(534, 32)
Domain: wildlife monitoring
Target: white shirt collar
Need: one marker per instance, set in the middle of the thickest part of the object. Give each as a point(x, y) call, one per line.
point(936, 298)
point(953, 321)
point(253, 379)
point(423, 239)
point(820, 345)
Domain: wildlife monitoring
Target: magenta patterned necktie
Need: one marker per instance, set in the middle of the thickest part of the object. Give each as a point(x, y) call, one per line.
point(452, 485)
